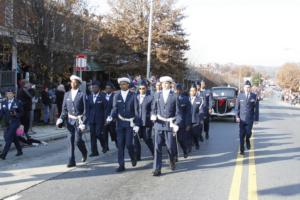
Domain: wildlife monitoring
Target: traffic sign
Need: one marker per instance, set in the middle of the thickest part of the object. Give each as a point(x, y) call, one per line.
point(81, 62)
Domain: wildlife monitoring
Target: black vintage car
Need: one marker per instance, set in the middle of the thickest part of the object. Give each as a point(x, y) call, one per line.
point(224, 99)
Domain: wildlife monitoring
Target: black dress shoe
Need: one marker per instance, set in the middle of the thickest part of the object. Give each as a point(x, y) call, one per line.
point(120, 169)
point(84, 157)
point(206, 136)
point(71, 164)
point(19, 154)
point(242, 153)
point(94, 154)
point(105, 150)
point(248, 145)
point(157, 172)
point(172, 165)
point(201, 138)
point(134, 162)
point(2, 157)
point(185, 155)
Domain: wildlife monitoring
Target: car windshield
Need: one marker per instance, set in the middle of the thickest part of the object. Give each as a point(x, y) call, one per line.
point(223, 92)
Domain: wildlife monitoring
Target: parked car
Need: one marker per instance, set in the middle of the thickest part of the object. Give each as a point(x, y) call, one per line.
point(224, 99)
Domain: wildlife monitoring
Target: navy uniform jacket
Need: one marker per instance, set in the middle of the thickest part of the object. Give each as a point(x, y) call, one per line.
point(197, 110)
point(125, 109)
point(6, 113)
point(96, 112)
point(185, 108)
point(247, 110)
point(76, 108)
point(169, 109)
point(143, 111)
point(207, 95)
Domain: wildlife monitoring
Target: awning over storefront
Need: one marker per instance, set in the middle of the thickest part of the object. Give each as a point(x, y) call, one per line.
point(94, 66)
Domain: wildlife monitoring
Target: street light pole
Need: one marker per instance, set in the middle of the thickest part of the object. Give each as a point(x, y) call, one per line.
point(149, 40)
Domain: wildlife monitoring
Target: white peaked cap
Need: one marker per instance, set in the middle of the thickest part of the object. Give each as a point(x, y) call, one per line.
point(166, 79)
point(124, 79)
point(74, 77)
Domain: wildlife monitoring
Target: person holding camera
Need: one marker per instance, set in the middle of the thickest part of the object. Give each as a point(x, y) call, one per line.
point(11, 111)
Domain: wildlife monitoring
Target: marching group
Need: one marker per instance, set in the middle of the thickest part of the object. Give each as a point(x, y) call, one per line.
point(173, 117)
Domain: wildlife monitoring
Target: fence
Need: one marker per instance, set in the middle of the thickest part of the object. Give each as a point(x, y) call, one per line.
point(7, 80)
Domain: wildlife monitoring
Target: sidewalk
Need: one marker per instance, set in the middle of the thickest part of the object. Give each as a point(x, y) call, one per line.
point(43, 133)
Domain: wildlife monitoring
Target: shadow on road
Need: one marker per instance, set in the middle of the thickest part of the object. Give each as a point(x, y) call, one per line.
point(287, 190)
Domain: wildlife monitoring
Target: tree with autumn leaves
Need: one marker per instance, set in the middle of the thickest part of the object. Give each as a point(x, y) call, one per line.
point(123, 45)
point(58, 31)
point(288, 76)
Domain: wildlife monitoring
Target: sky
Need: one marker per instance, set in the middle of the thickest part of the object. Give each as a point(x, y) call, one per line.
point(251, 32)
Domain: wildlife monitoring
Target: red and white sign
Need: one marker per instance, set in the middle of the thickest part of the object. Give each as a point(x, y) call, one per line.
point(81, 62)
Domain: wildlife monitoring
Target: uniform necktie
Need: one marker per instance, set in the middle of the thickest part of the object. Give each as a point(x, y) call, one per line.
point(95, 97)
point(9, 104)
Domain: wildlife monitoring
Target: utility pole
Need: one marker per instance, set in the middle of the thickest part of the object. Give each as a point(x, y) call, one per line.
point(149, 40)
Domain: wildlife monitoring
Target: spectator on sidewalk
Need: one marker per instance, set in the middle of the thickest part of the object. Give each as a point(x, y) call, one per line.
point(52, 113)
point(11, 112)
point(34, 102)
point(60, 93)
point(46, 104)
point(25, 96)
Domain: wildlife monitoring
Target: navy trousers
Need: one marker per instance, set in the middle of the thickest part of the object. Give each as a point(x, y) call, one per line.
point(206, 125)
point(145, 133)
point(245, 132)
point(75, 135)
point(163, 137)
point(110, 129)
point(11, 137)
point(96, 131)
point(182, 139)
point(125, 138)
point(196, 132)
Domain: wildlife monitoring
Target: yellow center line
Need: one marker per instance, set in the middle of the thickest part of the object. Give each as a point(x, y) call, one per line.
point(252, 185)
point(237, 178)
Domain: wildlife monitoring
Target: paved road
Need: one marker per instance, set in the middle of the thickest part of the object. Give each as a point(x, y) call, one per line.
point(270, 171)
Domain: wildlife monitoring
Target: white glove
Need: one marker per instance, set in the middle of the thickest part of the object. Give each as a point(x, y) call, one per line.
point(82, 127)
point(109, 119)
point(175, 128)
point(59, 121)
point(136, 129)
point(153, 117)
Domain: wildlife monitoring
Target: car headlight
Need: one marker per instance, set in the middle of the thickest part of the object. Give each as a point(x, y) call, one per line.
point(231, 104)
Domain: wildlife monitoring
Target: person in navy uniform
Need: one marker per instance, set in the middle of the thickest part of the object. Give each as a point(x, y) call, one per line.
point(185, 124)
point(197, 111)
point(143, 112)
point(247, 111)
point(124, 112)
point(74, 110)
point(110, 128)
point(207, 95)
point(11, 111)
point(158, 87)
point(166, 115)
point(96, 110)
